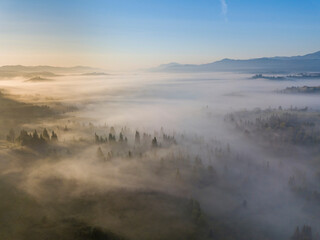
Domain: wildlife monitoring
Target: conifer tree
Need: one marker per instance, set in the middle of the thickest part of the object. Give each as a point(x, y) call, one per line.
point(100, 154)
point(54, 137)
point(121, 137)
point(45, 134)
point(137, 138)
point(154, 142)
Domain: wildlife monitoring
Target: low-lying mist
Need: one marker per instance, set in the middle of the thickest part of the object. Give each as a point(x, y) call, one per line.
point(160, 156)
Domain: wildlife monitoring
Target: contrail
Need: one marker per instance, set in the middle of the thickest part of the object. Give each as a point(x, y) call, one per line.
point(224, 7)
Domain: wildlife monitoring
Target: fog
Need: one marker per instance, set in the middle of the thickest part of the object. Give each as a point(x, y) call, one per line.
point(252, 180)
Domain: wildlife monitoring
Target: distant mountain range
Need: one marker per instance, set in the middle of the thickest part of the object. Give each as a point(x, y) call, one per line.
point(21, 68)
point(38, 79)
point(12, 71)
point(306, 63)
point(95, 74)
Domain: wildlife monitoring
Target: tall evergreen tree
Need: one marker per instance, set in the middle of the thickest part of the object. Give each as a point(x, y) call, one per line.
point(35, 135)
point(154, 142)
point(120, 137)
point(137, 138)
point(45, 134)
point(100, 154)
point(54, 137)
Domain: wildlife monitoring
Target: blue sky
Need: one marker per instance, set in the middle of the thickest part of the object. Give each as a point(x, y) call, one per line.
point(128, 34)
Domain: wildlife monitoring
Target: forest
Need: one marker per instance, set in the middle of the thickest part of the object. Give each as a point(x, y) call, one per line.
point(69, 177)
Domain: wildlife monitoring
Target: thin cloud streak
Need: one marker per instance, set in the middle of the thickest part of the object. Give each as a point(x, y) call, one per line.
point(224, 7)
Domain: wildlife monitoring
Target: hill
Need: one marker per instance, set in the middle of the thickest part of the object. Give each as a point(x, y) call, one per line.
point(12, 71)
point(305, 63)
point(302, 90)
point(38, 79)
point(95, 74)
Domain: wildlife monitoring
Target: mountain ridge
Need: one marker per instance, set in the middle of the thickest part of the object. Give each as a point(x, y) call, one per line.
point(279, 64)
point(44, 68)
point(12, 71)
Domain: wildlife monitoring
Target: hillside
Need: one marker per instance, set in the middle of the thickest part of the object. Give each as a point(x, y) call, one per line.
point(12, 71)
point(306, 63)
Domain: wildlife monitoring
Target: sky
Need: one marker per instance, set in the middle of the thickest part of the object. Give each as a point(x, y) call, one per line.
point(137, 34)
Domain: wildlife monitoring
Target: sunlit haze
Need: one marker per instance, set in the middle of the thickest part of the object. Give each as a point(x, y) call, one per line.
point(159, 120)
point(134, 34)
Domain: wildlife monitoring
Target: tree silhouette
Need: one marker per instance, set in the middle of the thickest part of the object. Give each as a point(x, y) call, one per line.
point(120, 137)
point(45, 134)
point(11, 136)
point(54, 137)
point(154, 142)
point(100, 154)
point(137, 138)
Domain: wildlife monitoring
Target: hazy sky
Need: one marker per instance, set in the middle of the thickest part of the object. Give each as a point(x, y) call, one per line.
point(128, 34)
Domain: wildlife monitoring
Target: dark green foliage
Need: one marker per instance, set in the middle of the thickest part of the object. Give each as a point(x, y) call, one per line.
point(304, 90)
point(121, 137)
point(295, 126)
point(137, 138)
point(112, 138)
point(35, 140)
point(168, 139)
point(154, 142)
point(31, 140)
point(260, 76)
point(35, 135)
point(100, 139)
point(54, 137)
point(13, 113)
point(45, 134)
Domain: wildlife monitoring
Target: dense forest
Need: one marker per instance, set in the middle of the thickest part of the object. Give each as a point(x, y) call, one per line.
point(240, 175)
point(302, 90)
point(93, 181)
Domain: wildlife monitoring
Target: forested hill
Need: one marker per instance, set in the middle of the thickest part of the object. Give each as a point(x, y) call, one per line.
point(305, 63)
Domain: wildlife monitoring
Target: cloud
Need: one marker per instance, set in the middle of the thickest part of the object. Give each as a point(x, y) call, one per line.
point(224, 7)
